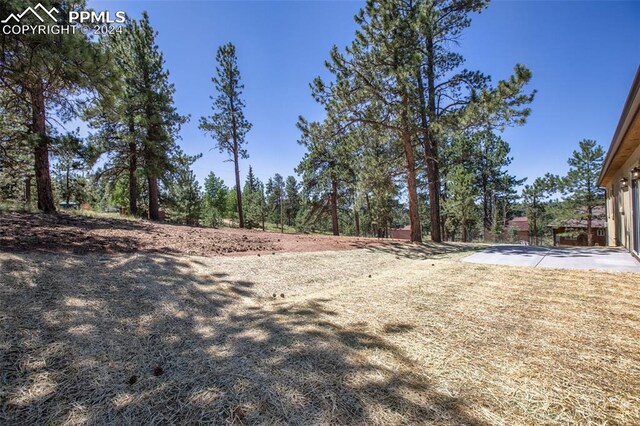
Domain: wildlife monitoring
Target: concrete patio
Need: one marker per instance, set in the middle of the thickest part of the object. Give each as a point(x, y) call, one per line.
point(598, 258)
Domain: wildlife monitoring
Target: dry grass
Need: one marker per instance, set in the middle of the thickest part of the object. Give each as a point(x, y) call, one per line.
point(388, 335)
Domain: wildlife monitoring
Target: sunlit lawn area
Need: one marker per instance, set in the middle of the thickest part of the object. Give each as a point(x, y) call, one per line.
point(388, 335)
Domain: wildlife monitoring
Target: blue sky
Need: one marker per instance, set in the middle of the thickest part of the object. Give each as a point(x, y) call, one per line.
point(583, 56)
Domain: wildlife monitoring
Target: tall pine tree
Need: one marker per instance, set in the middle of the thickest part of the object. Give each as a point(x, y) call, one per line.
point(215, 200)
point(227, 125)
point(581, 183)
point(535, 198)
point(158, 118)
point(44, 73)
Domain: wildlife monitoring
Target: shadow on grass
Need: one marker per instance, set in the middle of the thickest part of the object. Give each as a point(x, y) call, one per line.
point(423, 250)
point(67, 233)
point(143, 339)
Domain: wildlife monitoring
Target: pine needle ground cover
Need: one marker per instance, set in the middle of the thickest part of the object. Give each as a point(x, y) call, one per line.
point(381, 335)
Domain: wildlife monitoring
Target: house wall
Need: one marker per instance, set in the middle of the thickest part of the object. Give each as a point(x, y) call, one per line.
point(619, 214)
point(622, 156)
point(401, 234)
point(507, 236)
point(560, 240)
point(524, 236)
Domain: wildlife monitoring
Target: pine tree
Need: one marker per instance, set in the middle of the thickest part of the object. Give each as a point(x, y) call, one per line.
point(254, 202)
point(486, 155)
point(450, 96)
point(381, 161)
point(70, 163)
point(253, 197)
point(184, 196)
point(228, 125)
point(292, 203)
point(581, 183)
point(535, 199)
point(400, 74)
point(251, 182)
point(269, 189)
point(136, 122)
point(260, 204)
point(118, 137)
point(232, 203)
point(16, 160)
point(276, 199)
point(159, 118)
point(374, 83)
point(322, 168)
point(460, 206)
point(215, 200)
point(43, 73)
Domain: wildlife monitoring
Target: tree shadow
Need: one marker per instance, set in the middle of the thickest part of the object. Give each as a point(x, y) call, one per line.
point(397, 328)
point(557, 252)
point(519, 250)
point(64, 220)
point(64, 232)
point(145, 339)
point(585, 251)
point(421, 251)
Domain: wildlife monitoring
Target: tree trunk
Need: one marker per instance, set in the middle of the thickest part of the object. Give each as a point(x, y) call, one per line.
point(356, 218)
point(27, 191)
point(487, 207)
point(154, 198)
point(282, 209)
point(487, 197)
point(414, 215)
point(238, 191)
point(433, 178)
point(443, 229)
point(412, 189)
point(133, 180)
point(334, 207)
point(368, 229)
point(67, 189)
point(427, 117)
point(41, 150)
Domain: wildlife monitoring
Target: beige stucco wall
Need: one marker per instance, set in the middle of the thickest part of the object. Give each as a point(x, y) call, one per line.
point(619, 208)
point(612, 216)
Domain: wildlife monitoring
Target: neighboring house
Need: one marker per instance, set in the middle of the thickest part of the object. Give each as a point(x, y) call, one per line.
point(573, 232)
point(620, 176)
point(403, 233)
point(517, 230)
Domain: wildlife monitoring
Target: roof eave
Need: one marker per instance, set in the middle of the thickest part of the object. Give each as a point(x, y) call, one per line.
point(631, 107)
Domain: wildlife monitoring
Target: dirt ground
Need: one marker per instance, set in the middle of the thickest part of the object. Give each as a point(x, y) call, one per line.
point(69, 233)
point(391, 334)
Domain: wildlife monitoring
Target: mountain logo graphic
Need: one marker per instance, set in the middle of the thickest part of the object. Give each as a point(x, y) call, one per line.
point(43, 10)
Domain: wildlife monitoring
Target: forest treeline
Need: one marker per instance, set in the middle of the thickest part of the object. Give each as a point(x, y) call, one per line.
point(411, 136)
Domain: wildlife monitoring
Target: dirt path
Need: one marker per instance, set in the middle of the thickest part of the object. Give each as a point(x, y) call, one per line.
point(67, 233)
